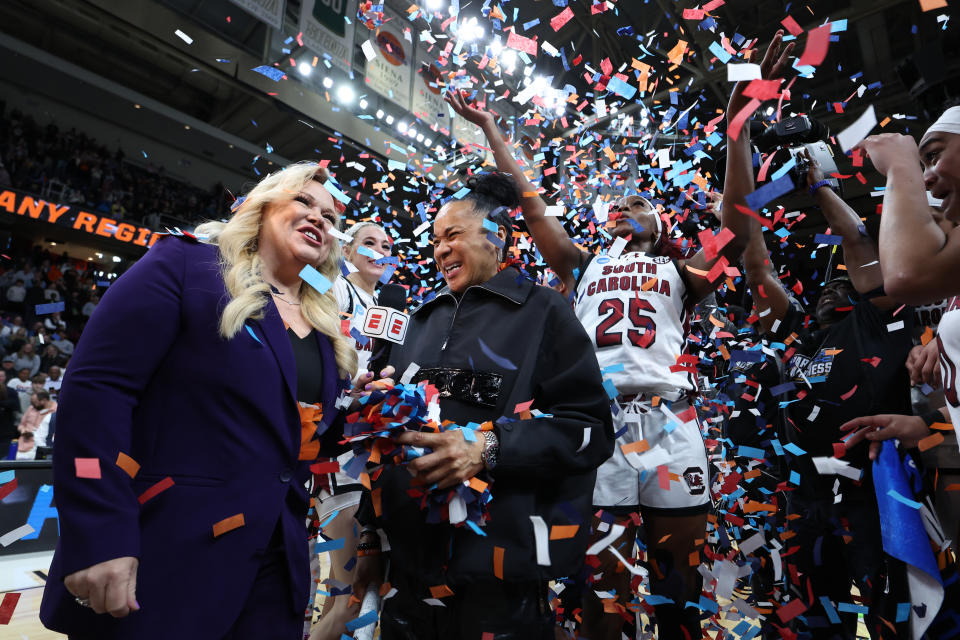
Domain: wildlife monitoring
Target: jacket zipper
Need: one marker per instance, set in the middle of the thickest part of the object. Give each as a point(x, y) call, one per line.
point(457, 309)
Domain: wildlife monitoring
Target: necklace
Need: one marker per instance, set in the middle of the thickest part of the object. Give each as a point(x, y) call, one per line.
point(276, 294)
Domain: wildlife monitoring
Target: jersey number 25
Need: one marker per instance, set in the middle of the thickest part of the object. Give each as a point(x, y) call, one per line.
point(614, 307)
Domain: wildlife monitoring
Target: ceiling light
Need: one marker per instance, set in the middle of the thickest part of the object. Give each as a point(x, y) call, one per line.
point(470, 30)
point(419, 137)
point(389, 119)
point(345, 94)
point(327, 83)
point(116, 258)
point(402, 127)
point(305, 69)
point(363, 103)
point(434, 5)
point(379, 114)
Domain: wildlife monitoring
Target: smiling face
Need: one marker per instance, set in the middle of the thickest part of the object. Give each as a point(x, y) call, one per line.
point(374, 239)
point(464, 255)
point(634, 209)
point(940, 155)
point(298, 230)
point(834, 294)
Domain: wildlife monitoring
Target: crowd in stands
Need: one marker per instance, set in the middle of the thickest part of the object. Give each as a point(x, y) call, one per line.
point(36, 342)
point(71, 167)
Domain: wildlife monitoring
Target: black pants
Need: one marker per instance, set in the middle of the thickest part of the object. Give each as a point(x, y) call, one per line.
point(832, 564)
point(505, 610)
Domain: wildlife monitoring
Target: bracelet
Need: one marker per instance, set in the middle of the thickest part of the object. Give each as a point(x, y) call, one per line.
point(817, 185)
point(931, 417)
point(362, 553)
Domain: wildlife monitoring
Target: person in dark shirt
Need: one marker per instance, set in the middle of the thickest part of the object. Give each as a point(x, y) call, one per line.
point(845, 360)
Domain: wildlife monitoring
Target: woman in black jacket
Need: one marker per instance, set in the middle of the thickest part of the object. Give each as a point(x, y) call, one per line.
point(489, 341)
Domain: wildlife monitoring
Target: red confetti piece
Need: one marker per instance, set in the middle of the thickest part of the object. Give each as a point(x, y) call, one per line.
point(791, 610)
point(815, 52)
point(325, 467)
point(791, 25)
point(87, 467)
point(8, 605)
point(561, 19)
point(847, 395)
point(159, 487)
point(8, 488)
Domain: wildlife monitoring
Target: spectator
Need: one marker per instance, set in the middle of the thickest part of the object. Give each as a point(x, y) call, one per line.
point(55, 322)
point(10, 327)
point(88, 308)
point(37, 382)
point(26, 447)
point(52, 293)
point(23, 386)
point(51, 357)
point(9, 405)
point(41, 406)
point(64, 345)
point(16, 295)
point(26, 358)
point(7, 367)
point(54, 380)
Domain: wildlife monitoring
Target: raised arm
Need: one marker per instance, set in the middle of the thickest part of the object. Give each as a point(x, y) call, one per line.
point(918, 257)
point(768, 295)
point(739, 176)
point(860, 253)
point(561, 254)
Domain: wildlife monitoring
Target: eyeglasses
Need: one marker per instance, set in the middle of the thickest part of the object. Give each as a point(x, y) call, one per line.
point(478, 387)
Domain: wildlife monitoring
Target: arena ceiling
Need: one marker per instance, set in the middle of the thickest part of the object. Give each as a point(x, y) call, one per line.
point(890, 45)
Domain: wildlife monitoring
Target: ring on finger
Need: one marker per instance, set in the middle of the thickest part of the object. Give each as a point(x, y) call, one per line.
point(83, 602)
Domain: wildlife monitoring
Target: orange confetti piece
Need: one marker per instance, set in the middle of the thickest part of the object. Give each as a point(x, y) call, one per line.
point(477, 484)
point(635, 447)
point(649, 284)
point(441, 591)
point(498, 562)
point(930, 441)
point(128, 464)
point(228, 524)
point(563, 532)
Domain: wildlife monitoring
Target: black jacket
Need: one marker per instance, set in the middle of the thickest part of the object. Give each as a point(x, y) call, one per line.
point(540, 471)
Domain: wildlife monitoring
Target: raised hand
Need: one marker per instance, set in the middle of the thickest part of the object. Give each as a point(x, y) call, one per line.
point(886, 149)
point(775, 62)
point(458, 100)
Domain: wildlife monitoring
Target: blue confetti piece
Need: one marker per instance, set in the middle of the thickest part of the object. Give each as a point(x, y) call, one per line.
point(368, 618)
point(270, 72)
point(823, 238)
point(750, 452)
point(476, 529)
point(329, 545)
point(655, 600)
point(6, 476)
point(315, 279)
point(903, 500)
point(490, 225)
point(849, 607)
point(717, 49)
point(782, 388)
point(831, 612)
point(252, 334)
point(503, 362)
point(50, 307)
point(610, 388)
point(621, 88)
point(794, 449)
point(459, 195)
point(335, 191)
point(903, 611)
point(329, 518)
point(769, 191)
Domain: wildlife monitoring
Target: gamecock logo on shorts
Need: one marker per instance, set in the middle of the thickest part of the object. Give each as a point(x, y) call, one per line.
point(693, 476)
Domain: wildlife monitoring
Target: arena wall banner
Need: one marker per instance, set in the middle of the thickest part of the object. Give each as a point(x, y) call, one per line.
point(19, 203)
point(390, 70)
point(327, 27)
point(269, 11)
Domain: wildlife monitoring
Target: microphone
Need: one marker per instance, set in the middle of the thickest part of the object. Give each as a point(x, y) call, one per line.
point(387, 324)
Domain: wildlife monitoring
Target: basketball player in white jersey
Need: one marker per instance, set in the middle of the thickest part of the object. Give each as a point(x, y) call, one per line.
point(355, 293)
point(635, 307)
point(920, 256)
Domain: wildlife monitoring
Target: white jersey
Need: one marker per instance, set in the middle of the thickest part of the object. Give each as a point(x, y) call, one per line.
point(948, 339)
point(354, 300)
point(636, 322)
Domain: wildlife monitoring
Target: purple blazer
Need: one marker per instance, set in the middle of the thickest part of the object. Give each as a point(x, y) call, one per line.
point(152, 379)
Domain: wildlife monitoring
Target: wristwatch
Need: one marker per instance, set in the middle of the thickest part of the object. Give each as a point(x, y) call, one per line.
point(491, 450)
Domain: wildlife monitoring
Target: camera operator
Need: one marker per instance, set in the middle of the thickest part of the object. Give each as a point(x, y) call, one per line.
point(852, 364)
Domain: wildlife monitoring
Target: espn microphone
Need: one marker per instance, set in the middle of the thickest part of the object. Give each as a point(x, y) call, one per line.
point(386, 324)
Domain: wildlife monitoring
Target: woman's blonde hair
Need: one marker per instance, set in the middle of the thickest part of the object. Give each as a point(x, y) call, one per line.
point(238, 244)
